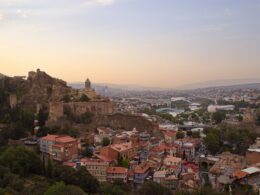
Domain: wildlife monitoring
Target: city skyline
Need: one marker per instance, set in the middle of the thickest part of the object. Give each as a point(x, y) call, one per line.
point(162, 44)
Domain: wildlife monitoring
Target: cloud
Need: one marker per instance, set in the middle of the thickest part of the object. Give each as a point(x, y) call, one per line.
point(21, 14)
point(99, 2)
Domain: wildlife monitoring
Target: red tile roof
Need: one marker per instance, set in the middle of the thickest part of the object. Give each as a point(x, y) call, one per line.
point(118, 170)
point(65, 139)
point(59, 138)
point(170, 133)
point(50, 137)
point(239, 174)
point(140, 169)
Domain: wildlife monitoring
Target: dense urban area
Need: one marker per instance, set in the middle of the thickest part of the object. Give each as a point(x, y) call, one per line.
point(57, 139)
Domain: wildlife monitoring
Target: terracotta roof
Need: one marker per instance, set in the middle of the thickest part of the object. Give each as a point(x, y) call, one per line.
point(239, 174)
point(118, 170)
point(140, 169)
point(163, 147)
point(50, 137)
point(122, 147)
point(91, 161)
point(170, 133)
point(172, 159)
point(103, 158)
point(65, 139)
point(59, 138)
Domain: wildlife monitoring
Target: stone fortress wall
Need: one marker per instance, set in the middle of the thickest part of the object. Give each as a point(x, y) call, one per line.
point(56, 109)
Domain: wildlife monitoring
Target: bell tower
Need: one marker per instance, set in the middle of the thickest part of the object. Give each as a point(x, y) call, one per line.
point(87, 84)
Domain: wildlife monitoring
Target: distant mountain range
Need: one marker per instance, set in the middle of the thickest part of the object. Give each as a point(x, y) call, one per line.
point(239, 83)
point(79, 85)
point(220, 83)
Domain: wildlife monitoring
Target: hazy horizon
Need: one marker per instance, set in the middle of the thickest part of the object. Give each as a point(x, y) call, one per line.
point(164, 44)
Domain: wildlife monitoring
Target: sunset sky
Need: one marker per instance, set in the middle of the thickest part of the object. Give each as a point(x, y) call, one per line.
point(161, 43)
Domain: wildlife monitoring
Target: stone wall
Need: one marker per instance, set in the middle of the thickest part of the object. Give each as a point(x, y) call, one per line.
point(56, 109)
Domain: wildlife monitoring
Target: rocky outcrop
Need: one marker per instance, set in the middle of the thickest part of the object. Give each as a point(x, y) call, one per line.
point(114, 121)
point(37, 88)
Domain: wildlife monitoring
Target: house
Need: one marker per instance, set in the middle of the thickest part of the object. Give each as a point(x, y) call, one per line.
point(103, 132)
point(173, 164)
point(141, 172)
point(248, 176)
point(60, 147)
point(221, 173)
point(253, 153)
point(186, 149)
point(159, 176)
point(126, 150)
point(171, 182)
point(119, 173)
point(96, 168)
point(170, 137)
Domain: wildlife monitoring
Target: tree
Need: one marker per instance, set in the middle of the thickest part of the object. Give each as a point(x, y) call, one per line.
point(118, 187)
point(258, 116)
point(60, 189)
point(42, 116)
point(189, 133)
point(87, 152)
point(105, 141)
point(196, 134)
point(49, 168)
point(218, 117)
point(212, 142)
point(84, 98)
point(152, 188)
point(86, 117)
point(21, 161)
point(66, 98)
point(180, 135)
point(79, 177)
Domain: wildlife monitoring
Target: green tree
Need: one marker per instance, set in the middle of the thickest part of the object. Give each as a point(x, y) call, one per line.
point(49, 168)
point(212, 142)
point(118, 187)
point(61, 189)
point(21, 161)
point(180, 135)
point(86, 117)
point(196, 134)
point(105, 141)
point(84, 98)
point(79, 177)
point(42, 116)
point(152, 188)
point(66, 98)
point(218, 117)
point(87, 152)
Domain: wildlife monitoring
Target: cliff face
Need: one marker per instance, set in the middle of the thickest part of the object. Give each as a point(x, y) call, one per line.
point(114, 121)
point(123, 121)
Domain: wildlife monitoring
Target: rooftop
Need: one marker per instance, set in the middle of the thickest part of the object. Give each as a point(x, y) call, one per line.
point(118, 170)
point(122, 147)
point(170, 133)
point(141, 169)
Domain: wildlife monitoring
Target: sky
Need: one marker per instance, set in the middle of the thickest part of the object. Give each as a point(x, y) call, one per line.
point(159, 43)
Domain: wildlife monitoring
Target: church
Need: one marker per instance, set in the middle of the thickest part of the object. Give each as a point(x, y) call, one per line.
point(88, 91)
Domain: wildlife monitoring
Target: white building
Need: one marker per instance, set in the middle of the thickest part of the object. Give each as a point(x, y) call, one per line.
point(215, 108)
